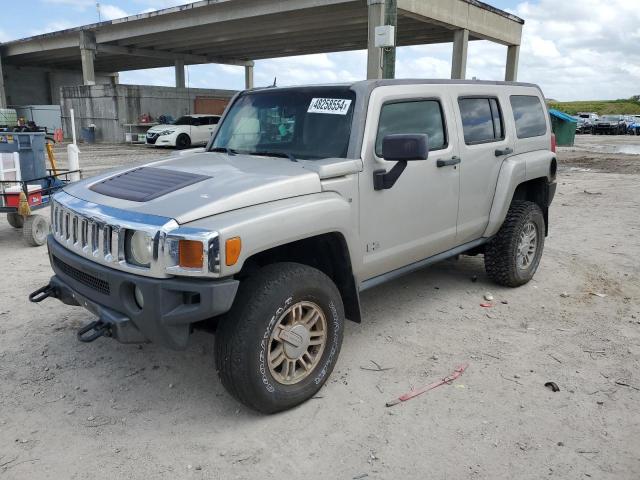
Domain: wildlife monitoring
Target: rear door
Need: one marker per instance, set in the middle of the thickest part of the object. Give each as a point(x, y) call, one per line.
point(199, 130)
point(485, 143)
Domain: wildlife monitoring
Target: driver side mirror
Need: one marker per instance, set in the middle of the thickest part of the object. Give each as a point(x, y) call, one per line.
point(402, 148)
point(405, 147)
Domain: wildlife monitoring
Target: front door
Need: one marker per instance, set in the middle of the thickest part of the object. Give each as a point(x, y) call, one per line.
point(416, 218)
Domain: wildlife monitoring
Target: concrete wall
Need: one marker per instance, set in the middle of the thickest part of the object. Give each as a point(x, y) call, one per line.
point(40, 86)
point(109, 107)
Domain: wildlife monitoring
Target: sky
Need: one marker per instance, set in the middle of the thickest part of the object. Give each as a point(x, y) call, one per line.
point(574, 49)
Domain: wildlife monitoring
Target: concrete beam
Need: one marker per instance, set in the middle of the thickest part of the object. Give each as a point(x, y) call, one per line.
point(513, 57)
point(87, 55)
point(481, 22)
point(180, 83)
point(3, 95)
point(162, 54)
point(248, 77)
point(374, 54)
point(459, 57)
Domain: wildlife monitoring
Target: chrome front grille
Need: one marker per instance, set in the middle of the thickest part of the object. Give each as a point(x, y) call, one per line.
point(98, 233)
point(87, 236)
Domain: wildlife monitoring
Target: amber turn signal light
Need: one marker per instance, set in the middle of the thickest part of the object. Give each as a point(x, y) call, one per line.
point(190, 253)
point(233, 246)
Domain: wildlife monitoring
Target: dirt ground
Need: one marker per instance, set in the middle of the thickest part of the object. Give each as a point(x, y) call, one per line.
point(105, 410)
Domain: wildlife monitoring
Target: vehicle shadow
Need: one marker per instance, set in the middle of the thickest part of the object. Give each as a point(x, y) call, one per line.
point(149, 380)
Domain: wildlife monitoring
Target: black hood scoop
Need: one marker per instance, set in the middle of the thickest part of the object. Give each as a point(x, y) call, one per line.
point(145, 183)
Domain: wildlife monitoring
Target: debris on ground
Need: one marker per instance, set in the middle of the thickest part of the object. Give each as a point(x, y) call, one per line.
point(488, 297)
point(565, 295)
point(414, 393)
point(486, 305)
point(598, 294)
point(553, 386)
point(377, 368)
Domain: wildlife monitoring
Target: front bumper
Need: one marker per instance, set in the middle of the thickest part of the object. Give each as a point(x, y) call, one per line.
point(170, 305)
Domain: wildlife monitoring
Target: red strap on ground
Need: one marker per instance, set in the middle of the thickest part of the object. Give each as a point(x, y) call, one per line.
point(414, 393)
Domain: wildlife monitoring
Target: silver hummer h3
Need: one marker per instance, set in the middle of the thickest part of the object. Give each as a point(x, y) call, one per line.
point(304, 197)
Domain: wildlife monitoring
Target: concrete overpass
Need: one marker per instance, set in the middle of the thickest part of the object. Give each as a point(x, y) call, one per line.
point(237, 32)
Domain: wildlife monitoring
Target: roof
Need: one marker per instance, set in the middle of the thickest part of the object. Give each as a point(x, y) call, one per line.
point(238, 31)
point(562, 116)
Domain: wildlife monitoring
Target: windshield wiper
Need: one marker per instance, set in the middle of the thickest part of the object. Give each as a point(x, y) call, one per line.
point(274, 154)
point(229, 151)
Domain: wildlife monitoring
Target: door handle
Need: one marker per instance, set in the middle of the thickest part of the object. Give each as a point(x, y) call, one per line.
point(504, 151)
point(448, 163)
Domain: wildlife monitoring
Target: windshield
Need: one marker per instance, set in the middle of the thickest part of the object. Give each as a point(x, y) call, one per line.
point(610, 118)
point(306, 123)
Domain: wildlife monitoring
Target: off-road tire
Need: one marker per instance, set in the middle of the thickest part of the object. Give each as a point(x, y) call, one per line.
point(35, 230)
point(500, 258)
point(183, 141)
point(242, 337)
point(15, 220)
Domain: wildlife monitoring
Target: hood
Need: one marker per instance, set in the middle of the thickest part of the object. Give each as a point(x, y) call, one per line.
point(163, 127)
point(227, 183)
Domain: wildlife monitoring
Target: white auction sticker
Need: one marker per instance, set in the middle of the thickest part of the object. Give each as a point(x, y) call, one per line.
point(335, 106)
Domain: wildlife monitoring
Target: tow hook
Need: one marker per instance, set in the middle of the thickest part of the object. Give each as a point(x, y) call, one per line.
point(99, 329)
point(42, 293)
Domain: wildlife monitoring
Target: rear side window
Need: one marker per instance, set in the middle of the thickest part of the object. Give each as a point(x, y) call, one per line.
point(415, 116)
point(481, 120)
point(213, 120)
point(529, 116)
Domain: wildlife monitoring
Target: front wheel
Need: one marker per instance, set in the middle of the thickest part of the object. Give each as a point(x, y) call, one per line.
point(513, 255)
point(280, 341)
point(183, 141)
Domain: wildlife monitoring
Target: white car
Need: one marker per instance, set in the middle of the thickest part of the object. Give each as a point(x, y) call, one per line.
point(185, 131)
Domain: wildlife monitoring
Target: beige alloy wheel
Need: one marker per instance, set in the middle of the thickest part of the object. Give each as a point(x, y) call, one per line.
point(297, 342)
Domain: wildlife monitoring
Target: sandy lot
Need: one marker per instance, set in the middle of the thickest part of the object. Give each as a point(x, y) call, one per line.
point(105, 410)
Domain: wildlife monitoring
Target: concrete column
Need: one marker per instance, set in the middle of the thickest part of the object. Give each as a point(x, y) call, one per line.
point(389, 54)
point(513, 56)
point(180, 74)
point(374, 55)
point(3, 95)
point(87, 55)
point(459, 57)
point(248, 76)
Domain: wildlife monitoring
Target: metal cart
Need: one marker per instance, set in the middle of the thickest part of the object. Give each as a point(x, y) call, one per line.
point(18, 199)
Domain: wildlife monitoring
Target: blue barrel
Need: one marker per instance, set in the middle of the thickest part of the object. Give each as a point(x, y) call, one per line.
point(30, 148)
point(88, 134)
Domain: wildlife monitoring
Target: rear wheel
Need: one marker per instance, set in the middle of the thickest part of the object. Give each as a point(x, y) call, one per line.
point(513, 255)
point(35, 230)
point(15, 220)
point(183, 141)
point(280, 341)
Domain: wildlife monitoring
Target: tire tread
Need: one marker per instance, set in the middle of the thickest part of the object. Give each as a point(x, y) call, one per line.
point(498, 261)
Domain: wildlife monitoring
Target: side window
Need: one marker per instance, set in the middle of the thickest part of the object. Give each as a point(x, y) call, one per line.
point(529, 116)
point(214, 120)
point(481, 120)
point(414, 116)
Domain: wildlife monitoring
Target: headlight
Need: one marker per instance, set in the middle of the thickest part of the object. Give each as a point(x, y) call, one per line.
point(138, 248)
point(167, 132)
